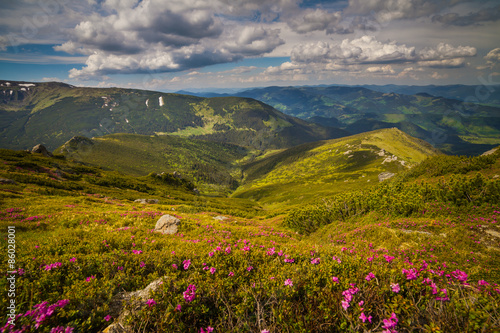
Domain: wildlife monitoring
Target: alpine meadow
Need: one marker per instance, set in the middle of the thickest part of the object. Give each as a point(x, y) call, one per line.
point(250, 166)
point(224, 214)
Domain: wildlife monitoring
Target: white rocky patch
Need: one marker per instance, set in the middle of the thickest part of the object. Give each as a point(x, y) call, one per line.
point(147, 102)
point(23, 89)
point(160, 101)
point(8, 84)
point(26, 84)
point(390, 159)
point(381, 153)
point(347, 152)
point(11, 92)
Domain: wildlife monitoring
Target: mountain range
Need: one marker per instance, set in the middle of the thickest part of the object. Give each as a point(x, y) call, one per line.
point(52, 113)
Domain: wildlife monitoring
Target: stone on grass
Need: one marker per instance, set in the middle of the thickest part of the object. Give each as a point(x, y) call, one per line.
point(385, 175)
point(147, 201)
point(167, 225)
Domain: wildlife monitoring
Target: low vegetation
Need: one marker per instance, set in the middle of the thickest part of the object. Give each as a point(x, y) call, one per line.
point(416, 253)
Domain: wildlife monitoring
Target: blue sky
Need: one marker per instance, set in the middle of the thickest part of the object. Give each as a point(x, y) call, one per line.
point(191, 44)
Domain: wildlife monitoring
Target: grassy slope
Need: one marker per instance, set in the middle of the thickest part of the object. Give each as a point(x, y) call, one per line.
point(211, 165)
point(309, 172)
point(84, 218)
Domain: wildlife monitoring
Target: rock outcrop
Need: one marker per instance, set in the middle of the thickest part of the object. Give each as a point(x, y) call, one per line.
point(137, 300)
point(385, 175)
point(40, 149)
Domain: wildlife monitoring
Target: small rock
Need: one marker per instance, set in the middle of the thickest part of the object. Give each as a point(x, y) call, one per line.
point(177, 174)
point(40, 149)
point(196, 191)
point(385, 175)
point(167, 225)
point(221, 218)
point(495, 176)
point(147, 201)
point(7, 181)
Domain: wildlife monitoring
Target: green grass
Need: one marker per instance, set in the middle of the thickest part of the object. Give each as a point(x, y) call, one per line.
point(80, 237)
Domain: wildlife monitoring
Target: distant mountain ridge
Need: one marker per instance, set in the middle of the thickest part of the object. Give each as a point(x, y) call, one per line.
point(449, 124)
point(52, 113)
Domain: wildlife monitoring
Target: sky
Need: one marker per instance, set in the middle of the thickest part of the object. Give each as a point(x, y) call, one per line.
point(170, 45)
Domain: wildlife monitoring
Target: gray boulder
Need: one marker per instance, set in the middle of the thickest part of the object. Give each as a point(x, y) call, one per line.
point(147, 201)
point(167, 225)
point(40, 149)
point(7, 181)
point(385, 175)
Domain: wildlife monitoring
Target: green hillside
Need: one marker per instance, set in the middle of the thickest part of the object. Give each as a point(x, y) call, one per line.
point(309, 172)
point(212, 166)
point(52, 113)
point(451, 125)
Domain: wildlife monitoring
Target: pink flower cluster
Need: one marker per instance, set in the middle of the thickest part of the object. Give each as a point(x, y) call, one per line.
point(42, 311)
point(411, 274)
point(51, 266)
point(190, 293)
point(186, 263)
point(390, 323)
point(315, 261)
point(370, 276)
point(348, 296)
point(209, 330)
point(288, 282)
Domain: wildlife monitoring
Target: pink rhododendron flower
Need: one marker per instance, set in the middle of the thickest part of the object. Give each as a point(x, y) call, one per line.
point(178, 308)
point(72, 259)
point(370, 276)
point(335, 279)
point(186, 263)
point(390, 323)
point(288, 282)
point(345, 304)
point(249, 268)
point(411, 274)
point(212, 270)
point(142, 264)
point(388, 258)
point(315, 261)
point(364, 318)
point(395, 287)
point(107, 318)
point(150, 302)
point(231, 274)
point(190, 293)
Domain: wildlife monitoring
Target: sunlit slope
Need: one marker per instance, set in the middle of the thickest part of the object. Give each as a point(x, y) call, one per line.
point(309, 172)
